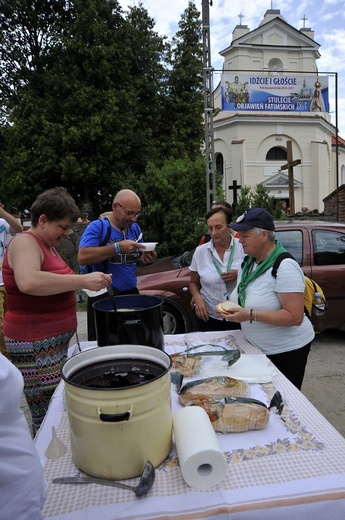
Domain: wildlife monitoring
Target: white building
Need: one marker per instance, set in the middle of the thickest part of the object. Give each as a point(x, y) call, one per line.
point(251, 145)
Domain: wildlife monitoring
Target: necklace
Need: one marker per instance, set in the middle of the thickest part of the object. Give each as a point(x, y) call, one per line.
point(231, 257)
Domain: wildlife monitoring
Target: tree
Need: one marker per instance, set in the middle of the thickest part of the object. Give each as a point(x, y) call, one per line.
point(173, 201)
point(147, 72)
point(27, 30)
point(92, 112)
point(257, 197)
point(99, 105)
point(183, 130)
point(68, 123)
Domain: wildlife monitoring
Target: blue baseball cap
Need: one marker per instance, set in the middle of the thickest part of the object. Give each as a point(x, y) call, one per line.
point(253, 218)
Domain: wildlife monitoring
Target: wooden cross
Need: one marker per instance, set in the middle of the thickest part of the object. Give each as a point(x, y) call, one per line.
point(235, 187)
point(289, 166)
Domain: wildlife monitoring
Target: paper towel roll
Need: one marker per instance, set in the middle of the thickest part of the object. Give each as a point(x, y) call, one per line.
point(202, 463)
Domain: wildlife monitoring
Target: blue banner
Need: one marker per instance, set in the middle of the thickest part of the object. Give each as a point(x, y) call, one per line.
point(274, 93)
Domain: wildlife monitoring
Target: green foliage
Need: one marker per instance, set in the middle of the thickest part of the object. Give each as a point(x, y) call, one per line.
point(92, 96)
point(258, 197)
point(245, 201)
point(173, 201)
point(182, 130)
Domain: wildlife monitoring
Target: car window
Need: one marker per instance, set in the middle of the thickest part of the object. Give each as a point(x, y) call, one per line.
point(292, 240)
point(329, 247)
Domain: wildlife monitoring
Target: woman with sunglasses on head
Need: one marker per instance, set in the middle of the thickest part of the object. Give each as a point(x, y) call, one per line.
point(112, 245)
point(40, 295)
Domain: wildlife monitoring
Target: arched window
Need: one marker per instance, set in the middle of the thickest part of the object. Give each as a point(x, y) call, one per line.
point(276, 154)
point(220, 163)
point(275, 66)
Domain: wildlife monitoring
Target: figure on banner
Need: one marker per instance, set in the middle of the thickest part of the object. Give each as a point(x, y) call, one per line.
point(316, 103)
point(236, 92)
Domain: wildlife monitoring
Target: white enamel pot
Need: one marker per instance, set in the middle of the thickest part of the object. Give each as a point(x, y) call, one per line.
point(115, 430)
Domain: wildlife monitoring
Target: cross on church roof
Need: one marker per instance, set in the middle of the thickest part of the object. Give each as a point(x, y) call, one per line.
point(240, 17)
point(304, 20)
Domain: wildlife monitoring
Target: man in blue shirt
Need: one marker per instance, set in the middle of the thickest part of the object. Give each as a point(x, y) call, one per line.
point(112, 245)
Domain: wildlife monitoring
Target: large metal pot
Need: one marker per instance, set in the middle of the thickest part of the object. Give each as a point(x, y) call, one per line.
point(138, 320)
point(117, 423)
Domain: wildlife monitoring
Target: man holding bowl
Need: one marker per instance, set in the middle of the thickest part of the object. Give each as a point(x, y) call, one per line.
point(114, 245)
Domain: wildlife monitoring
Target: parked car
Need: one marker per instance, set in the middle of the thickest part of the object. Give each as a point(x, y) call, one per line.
point(319, 248)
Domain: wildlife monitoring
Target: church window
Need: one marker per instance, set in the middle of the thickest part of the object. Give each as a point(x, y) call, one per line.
point(276, 154)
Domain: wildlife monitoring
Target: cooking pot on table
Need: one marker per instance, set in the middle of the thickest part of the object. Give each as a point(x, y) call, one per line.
point(119, 409)
point(138, 320)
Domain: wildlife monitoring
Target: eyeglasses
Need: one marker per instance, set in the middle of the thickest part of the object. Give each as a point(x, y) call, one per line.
point(130, 213)
point(65, 229)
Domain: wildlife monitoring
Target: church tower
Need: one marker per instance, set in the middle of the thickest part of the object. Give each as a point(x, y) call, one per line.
point(271, 93)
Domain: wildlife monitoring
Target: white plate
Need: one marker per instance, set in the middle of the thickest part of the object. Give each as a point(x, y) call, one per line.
point(95, 293)
point(149, 246)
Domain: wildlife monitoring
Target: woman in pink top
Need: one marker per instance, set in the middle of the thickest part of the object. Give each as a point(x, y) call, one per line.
point(41, 316)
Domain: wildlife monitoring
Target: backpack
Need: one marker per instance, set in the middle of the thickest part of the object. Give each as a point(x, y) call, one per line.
point(85, 269)
point(315, 315)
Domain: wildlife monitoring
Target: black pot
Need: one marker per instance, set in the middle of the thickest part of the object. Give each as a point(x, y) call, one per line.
point(138, 320)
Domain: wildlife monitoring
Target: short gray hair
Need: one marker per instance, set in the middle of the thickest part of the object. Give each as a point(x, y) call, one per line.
point(271, 234)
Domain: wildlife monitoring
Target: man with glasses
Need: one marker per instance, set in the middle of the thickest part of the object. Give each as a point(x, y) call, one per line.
point(112, 245)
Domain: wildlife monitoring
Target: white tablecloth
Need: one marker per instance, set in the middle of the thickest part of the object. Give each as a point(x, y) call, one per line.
point(294, 468)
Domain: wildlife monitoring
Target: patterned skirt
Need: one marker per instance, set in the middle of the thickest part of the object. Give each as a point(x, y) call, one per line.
point(40, 363)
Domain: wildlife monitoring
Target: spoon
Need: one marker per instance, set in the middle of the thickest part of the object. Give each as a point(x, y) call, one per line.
point(112, 295)
point(145, 483)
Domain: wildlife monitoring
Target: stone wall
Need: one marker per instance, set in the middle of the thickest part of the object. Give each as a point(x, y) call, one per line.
point(337, 197)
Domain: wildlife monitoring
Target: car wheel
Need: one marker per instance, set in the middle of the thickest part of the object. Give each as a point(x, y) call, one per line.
point(172, 321)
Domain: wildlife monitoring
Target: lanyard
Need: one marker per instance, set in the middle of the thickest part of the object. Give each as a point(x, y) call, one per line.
point(232, 252)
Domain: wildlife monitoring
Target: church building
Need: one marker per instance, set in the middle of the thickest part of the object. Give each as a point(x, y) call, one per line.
point(272, 111)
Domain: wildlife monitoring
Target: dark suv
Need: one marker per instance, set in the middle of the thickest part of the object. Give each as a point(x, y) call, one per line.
point(319, 248)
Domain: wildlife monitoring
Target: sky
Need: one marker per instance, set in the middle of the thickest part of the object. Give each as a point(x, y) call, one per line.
point(326, 18)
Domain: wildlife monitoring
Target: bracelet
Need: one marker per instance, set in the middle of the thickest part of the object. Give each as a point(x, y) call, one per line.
point(251, 316)
point(117, 248)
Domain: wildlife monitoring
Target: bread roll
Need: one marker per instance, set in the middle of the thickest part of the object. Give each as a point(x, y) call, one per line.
point(236, 416)
point(228, 305)
point(221, 386)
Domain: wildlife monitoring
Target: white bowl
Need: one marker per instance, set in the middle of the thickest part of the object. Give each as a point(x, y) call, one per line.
point(149, 246)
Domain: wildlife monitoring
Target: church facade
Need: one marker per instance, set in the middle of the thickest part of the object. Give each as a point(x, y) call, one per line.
point(250, 146)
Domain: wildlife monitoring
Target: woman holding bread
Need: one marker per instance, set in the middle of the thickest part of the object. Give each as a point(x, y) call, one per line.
point(272, 308)
point(214, 271)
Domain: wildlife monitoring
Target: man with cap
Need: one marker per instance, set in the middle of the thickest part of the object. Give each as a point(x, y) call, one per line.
point(272, 315)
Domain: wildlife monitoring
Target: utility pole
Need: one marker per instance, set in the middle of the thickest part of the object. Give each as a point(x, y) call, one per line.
point(208, 105)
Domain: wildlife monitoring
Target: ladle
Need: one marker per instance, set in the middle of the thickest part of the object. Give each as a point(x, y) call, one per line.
point(145, 483)
point(112, 295)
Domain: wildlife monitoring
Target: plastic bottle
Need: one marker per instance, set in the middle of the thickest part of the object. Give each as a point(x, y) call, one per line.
point(318, 303)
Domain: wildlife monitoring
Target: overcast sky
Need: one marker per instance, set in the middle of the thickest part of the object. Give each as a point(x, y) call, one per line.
point(325, 17)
